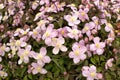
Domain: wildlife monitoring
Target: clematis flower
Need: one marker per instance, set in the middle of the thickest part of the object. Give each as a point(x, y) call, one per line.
point(98, 46)
point(3, 73)
point(96, 21)
point(38, 68)
point(73, 33)
point(42, 57)
point(108, 27)
point(72, 20)
point(57, 43)
point(41, 24)
point(62, 32)
point(35, 4)
point(91, 73)
point(1, 6)
point(78, 52)
point(49, 34)
point(109, 63)
point(24, 54)
point(36, 33)
point(60, 6)
point(4, 49)
point(83, 14)
point(88, 27)
point(20, 43)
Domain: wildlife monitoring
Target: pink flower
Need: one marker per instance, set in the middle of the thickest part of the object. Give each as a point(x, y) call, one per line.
point(42, 57)
point(83, 14)
point(58, 45)
point(78, 52)
point(109, 63)
point(73, 33)
point(60, 6)
point(3, 74)
point(96, 21)
point(49, 33)
point(4, 49)
point(72, 20)
point(108, 27)
point(35, 5)
point(98, 46)
point(38, 68)
point(90, 73)
point(62, 32)
point(36, 33)
point(88, 27)
point(24, 54)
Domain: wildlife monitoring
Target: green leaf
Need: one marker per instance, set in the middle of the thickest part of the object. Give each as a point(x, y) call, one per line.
point(25, 78)
point(49, 75)
point(30, 76)
point(60, 22)
point(92, 60)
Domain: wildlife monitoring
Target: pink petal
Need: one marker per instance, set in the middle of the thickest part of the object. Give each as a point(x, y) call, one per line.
point(61, 40)
point(85, 73)
point(34, 71)
point(43, 51)
point(47, 59)
point(23, 44)
point(63, 48)
point(71, 55)
point(82, 56)
point(28, 48)
point(92, 47)
point(76, 60)
point(55, 50)
point(48, 41)
point(43, 71)
point(99, 51)
point(92, 68)
point(96, 40)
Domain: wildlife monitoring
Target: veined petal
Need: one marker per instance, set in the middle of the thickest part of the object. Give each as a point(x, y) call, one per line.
point(55, 50)
point(63, 48)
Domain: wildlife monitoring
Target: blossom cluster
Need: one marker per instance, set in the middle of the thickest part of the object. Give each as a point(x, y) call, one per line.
point(36, 31)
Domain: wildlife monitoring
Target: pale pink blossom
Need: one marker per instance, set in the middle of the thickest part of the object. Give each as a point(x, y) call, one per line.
point(59, 6)
point(4, 49)
point(24, 54)
point(38, 68)
point(57, 43)
point(36, 33)
point(78, 52)
point(62, 32)
point(72, 20)
point(91, 73)
point(97, 47)
point(42, 57)
point(109, 63)
point(88, 27)
point(83, 14)
point(73, 33)
point(108, 27)
point(49, 34)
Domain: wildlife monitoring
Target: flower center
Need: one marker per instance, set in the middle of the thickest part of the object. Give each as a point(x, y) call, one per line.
point(35, 32)
point(92, 74)
point(97, 45)
point(47, 34)
point(77, 52)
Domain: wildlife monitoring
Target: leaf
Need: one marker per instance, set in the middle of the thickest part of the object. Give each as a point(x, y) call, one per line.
point(25, 78)
point(30, 76)
point(49, 75)
point(92, 60)
point(66, 77)
point(60, 22)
